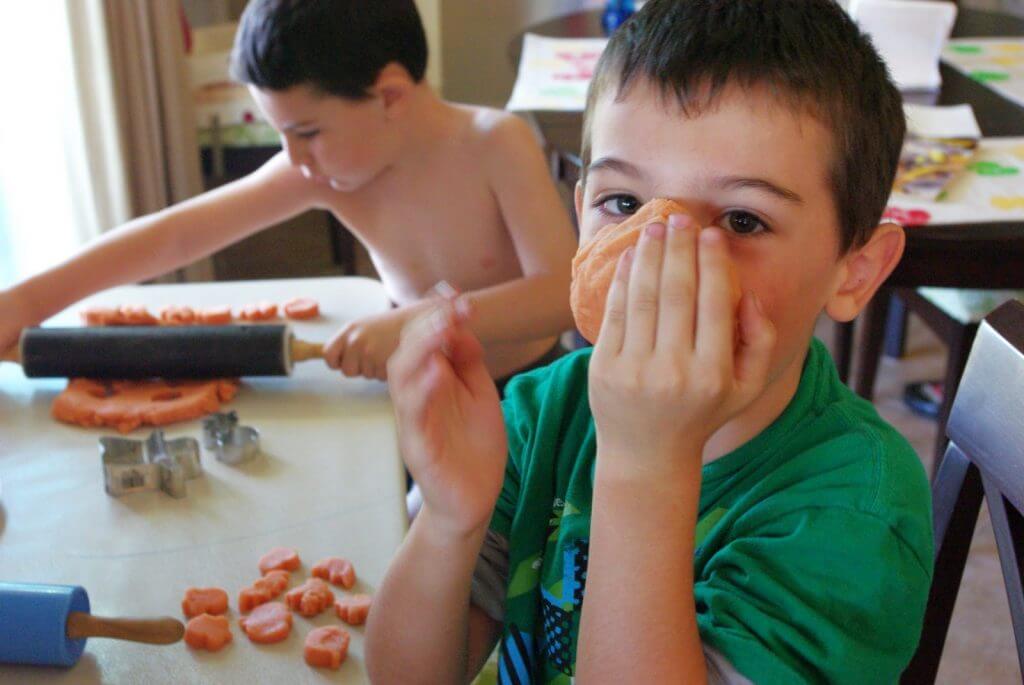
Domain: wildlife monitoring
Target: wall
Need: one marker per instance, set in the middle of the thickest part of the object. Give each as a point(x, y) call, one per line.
point(430, 12)
point(477, 35)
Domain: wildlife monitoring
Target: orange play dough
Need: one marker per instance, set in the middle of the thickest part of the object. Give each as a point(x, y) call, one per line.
point(301, 308)
point(175, 315)
point(337, 571)
point(208, 632)
point(271, 622)
point(353, 609)
point(126, 405)
point(206, 600)
point(214, 316)
point(310, 598)
point(279, 558)
point(125, 315)
point(264, 311)
point(326, 647)
point(262, 590)
point(593, 267)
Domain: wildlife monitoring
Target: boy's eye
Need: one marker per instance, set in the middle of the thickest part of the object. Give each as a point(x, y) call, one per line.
point(743, 223)
point(306, 135)
point(619, 205)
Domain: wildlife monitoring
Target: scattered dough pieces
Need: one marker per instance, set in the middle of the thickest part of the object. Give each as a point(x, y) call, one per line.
point(301, 308)
point(206, 600)
point(337, 571)
point(208, 632)
point(279, 558)
point(310, 598)
point(353, 609)
point(326, 647)
point(268, 623)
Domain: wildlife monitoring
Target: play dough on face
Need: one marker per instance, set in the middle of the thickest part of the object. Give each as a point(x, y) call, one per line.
point(593, 267)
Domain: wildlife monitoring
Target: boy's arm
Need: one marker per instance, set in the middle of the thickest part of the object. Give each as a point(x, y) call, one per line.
point(451, 435)
point(661, 380)
point(155, 244)
point(423, 628)
point(536, 305)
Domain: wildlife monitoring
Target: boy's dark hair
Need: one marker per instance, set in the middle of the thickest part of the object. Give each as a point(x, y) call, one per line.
point(809, 53)
point(337, 46)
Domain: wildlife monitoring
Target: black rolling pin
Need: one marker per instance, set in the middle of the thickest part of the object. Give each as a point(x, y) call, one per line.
point(161, 352)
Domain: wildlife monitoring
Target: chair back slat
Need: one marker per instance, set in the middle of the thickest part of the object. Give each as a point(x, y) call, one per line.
point(1008, 528)
point(985, 459)
point(987, 420)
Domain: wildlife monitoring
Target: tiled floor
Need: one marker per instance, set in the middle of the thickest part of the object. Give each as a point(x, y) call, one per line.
point(980, 649)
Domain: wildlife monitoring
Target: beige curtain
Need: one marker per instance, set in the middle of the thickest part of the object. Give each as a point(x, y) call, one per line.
point(153, 101)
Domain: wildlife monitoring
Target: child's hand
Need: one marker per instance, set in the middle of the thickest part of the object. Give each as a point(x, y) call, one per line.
point(668, 369)
point(362, 347)
point(450, 426)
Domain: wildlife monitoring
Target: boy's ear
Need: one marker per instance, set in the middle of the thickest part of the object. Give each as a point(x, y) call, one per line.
point(393, 86)
point(863, 271)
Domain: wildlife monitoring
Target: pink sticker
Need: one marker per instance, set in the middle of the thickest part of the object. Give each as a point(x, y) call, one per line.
point(907, 217)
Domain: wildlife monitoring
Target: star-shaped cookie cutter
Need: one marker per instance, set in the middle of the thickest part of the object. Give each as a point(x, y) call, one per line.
point(230, 442)
point(155, 463)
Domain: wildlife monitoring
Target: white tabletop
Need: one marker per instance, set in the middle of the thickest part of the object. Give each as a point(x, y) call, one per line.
point(331, 484)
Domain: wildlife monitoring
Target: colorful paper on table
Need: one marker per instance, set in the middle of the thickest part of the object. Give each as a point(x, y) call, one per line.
point(996, 62)
point(554, 73)
point(939, 145)
point(991, 190)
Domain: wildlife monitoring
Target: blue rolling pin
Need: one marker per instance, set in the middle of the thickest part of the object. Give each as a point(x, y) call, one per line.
point(47, 625)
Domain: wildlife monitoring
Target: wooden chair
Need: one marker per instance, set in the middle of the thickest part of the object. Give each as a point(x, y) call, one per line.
point(953, 314)
point(985, 459)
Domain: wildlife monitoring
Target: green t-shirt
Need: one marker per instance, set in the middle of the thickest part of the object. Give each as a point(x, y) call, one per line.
point(813, 544)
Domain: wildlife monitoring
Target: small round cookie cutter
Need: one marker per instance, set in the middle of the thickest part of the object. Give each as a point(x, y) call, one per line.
point(230, 442)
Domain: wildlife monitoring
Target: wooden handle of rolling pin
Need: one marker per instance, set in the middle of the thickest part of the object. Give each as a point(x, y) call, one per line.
point(302, 350)
point(154, 631)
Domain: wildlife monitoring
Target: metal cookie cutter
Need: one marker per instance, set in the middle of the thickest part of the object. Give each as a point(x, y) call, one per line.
point(155, 463)
point(232, 444)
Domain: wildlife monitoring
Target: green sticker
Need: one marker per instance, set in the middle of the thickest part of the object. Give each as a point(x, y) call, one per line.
point(985, 76)
point(966, 49)
point(993, 169)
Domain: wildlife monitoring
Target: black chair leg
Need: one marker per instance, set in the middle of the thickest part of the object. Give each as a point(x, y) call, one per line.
point(956, 361)
point(842, 347)
point(896, 328)
point(957, 495)
point(871, 342)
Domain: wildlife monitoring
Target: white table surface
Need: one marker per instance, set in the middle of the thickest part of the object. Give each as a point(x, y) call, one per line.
point(331, 484)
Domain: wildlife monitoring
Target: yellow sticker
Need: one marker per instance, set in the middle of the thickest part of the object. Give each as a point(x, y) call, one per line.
point(1010, 47)
point(1009, 60)
point(1008, 202)
point(1018, 152)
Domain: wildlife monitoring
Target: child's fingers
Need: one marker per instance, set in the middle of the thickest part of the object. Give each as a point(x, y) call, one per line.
point(644, 282)
point(334, 350)
point(423, 336)
point(715, 315)
point(678, 297)
point(754, 352)
point(467, 358)
point(613, 325)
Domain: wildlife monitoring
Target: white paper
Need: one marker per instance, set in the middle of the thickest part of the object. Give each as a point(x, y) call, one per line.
point(909, 35)
point(554, 73)
point(955, 121)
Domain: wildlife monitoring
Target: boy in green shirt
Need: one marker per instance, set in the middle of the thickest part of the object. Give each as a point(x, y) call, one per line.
point(698, 498)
